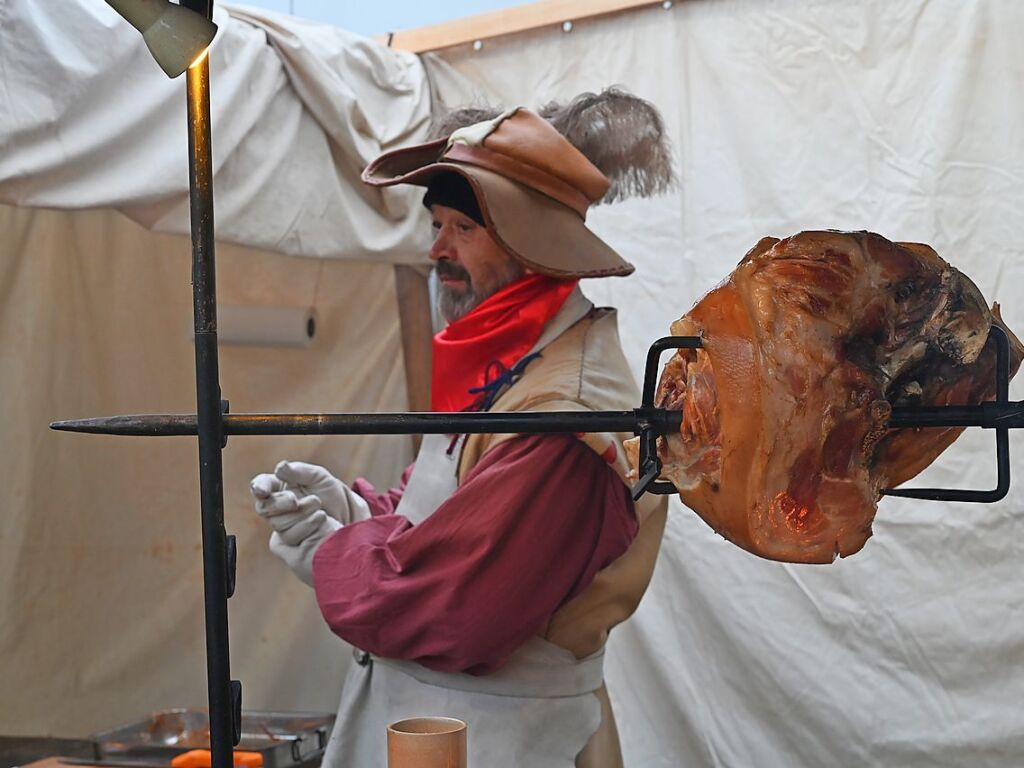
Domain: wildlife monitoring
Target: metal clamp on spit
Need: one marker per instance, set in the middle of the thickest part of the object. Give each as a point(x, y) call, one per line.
point(1001, 415)
point(653, 422)
point(648, 422)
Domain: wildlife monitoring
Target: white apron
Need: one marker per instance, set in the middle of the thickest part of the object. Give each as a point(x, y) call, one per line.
point(538, 711)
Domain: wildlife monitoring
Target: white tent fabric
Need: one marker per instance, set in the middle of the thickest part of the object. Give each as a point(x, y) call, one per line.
point(901, 117)
point(298, 110)
point(101, 598)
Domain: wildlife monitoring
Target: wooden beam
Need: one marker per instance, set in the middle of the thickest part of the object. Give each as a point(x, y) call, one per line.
point(413, 294)
point(485, 26)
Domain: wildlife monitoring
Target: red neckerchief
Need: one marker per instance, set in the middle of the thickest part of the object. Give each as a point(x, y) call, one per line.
point(496, 333)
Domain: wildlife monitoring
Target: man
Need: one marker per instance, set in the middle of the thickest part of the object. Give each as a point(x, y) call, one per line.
point(484, 586)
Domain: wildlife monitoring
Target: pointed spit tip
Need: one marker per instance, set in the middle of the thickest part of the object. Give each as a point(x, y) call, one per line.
point(140, 425)
point(71, 425)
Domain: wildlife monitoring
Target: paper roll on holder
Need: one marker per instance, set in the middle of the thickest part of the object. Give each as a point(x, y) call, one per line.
point(258, 325)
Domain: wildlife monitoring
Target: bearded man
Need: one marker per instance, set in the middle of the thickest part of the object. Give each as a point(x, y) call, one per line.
point(484, 585)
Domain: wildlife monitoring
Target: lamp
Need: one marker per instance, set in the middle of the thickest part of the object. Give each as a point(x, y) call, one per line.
point(175, 35)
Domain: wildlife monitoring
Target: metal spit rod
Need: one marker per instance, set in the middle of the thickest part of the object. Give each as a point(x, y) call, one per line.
point(382, 423)
point(218, 567)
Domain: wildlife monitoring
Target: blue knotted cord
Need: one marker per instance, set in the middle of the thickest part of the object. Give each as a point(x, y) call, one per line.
point(496, 378)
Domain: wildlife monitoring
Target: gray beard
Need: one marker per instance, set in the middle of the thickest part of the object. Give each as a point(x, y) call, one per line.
point(454, 306)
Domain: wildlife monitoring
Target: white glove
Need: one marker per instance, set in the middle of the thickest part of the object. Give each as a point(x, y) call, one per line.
point(299, 524)
point(337, 499)
point(294, 518)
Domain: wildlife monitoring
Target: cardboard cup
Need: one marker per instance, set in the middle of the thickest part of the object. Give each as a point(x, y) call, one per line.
point(427, 742)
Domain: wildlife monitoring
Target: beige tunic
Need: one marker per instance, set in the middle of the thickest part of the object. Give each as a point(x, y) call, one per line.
point(547, 707)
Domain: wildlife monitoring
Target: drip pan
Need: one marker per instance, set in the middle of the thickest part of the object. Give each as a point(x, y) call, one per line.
point(285, 739)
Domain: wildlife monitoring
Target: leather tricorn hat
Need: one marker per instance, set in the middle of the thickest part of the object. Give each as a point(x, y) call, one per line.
point(532, 185)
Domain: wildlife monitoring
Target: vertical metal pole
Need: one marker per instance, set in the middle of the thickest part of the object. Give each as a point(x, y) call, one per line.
point(210, 423)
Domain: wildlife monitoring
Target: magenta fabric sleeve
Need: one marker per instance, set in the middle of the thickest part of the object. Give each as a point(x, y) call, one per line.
point(382, 503)
point(526, 531)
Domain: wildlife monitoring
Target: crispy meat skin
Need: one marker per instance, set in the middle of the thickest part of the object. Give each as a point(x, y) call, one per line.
point(807, 346)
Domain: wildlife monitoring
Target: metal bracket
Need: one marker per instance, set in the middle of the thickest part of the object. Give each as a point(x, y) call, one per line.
point(236, 712)
point(296, 749)
point(651, 420)
point(225, 409)
point(1000, 415)
point(231, 562)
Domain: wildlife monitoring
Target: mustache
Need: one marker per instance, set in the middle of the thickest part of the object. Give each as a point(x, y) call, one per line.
point(448, 269)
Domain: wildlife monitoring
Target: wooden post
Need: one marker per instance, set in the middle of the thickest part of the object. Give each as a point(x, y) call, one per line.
point(413, 294)
point(507, 21)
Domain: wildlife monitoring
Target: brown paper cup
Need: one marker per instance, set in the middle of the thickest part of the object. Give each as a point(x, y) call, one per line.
point(427, 742)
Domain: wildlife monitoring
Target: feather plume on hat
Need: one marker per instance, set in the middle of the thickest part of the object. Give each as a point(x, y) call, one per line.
point(622, 134)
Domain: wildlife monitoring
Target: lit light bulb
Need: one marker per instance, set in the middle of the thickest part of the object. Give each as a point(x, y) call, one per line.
point(177, 36)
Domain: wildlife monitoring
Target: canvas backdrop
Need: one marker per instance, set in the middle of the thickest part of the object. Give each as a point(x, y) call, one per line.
point(903, 118)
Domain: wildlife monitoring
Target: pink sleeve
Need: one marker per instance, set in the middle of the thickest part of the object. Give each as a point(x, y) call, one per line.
point(526, 531)
point(382, 503)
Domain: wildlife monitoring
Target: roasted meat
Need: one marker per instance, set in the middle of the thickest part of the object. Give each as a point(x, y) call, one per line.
point(807, 346)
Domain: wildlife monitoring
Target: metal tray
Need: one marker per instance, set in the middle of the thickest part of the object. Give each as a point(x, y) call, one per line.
point(285, 739)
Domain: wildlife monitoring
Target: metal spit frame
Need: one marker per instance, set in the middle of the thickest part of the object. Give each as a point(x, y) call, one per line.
point(647, 421)
point(212, 424)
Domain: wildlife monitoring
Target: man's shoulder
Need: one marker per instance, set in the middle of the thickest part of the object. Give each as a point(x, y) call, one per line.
point(583, 369)
point(584, 365)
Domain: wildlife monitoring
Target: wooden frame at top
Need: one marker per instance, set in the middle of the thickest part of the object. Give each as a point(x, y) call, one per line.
point(484, 26)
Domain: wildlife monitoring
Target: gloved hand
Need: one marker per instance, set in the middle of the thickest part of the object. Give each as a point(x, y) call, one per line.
point(293, 517)
point(299, 523)
point(338, 500)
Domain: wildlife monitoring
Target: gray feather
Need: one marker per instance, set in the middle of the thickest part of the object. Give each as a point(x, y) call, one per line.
point(622, 134)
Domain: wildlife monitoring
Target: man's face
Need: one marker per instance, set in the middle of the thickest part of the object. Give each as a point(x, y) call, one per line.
point(470, 265)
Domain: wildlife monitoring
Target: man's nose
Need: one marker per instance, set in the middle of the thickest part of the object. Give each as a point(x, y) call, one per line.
point(441, 247)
